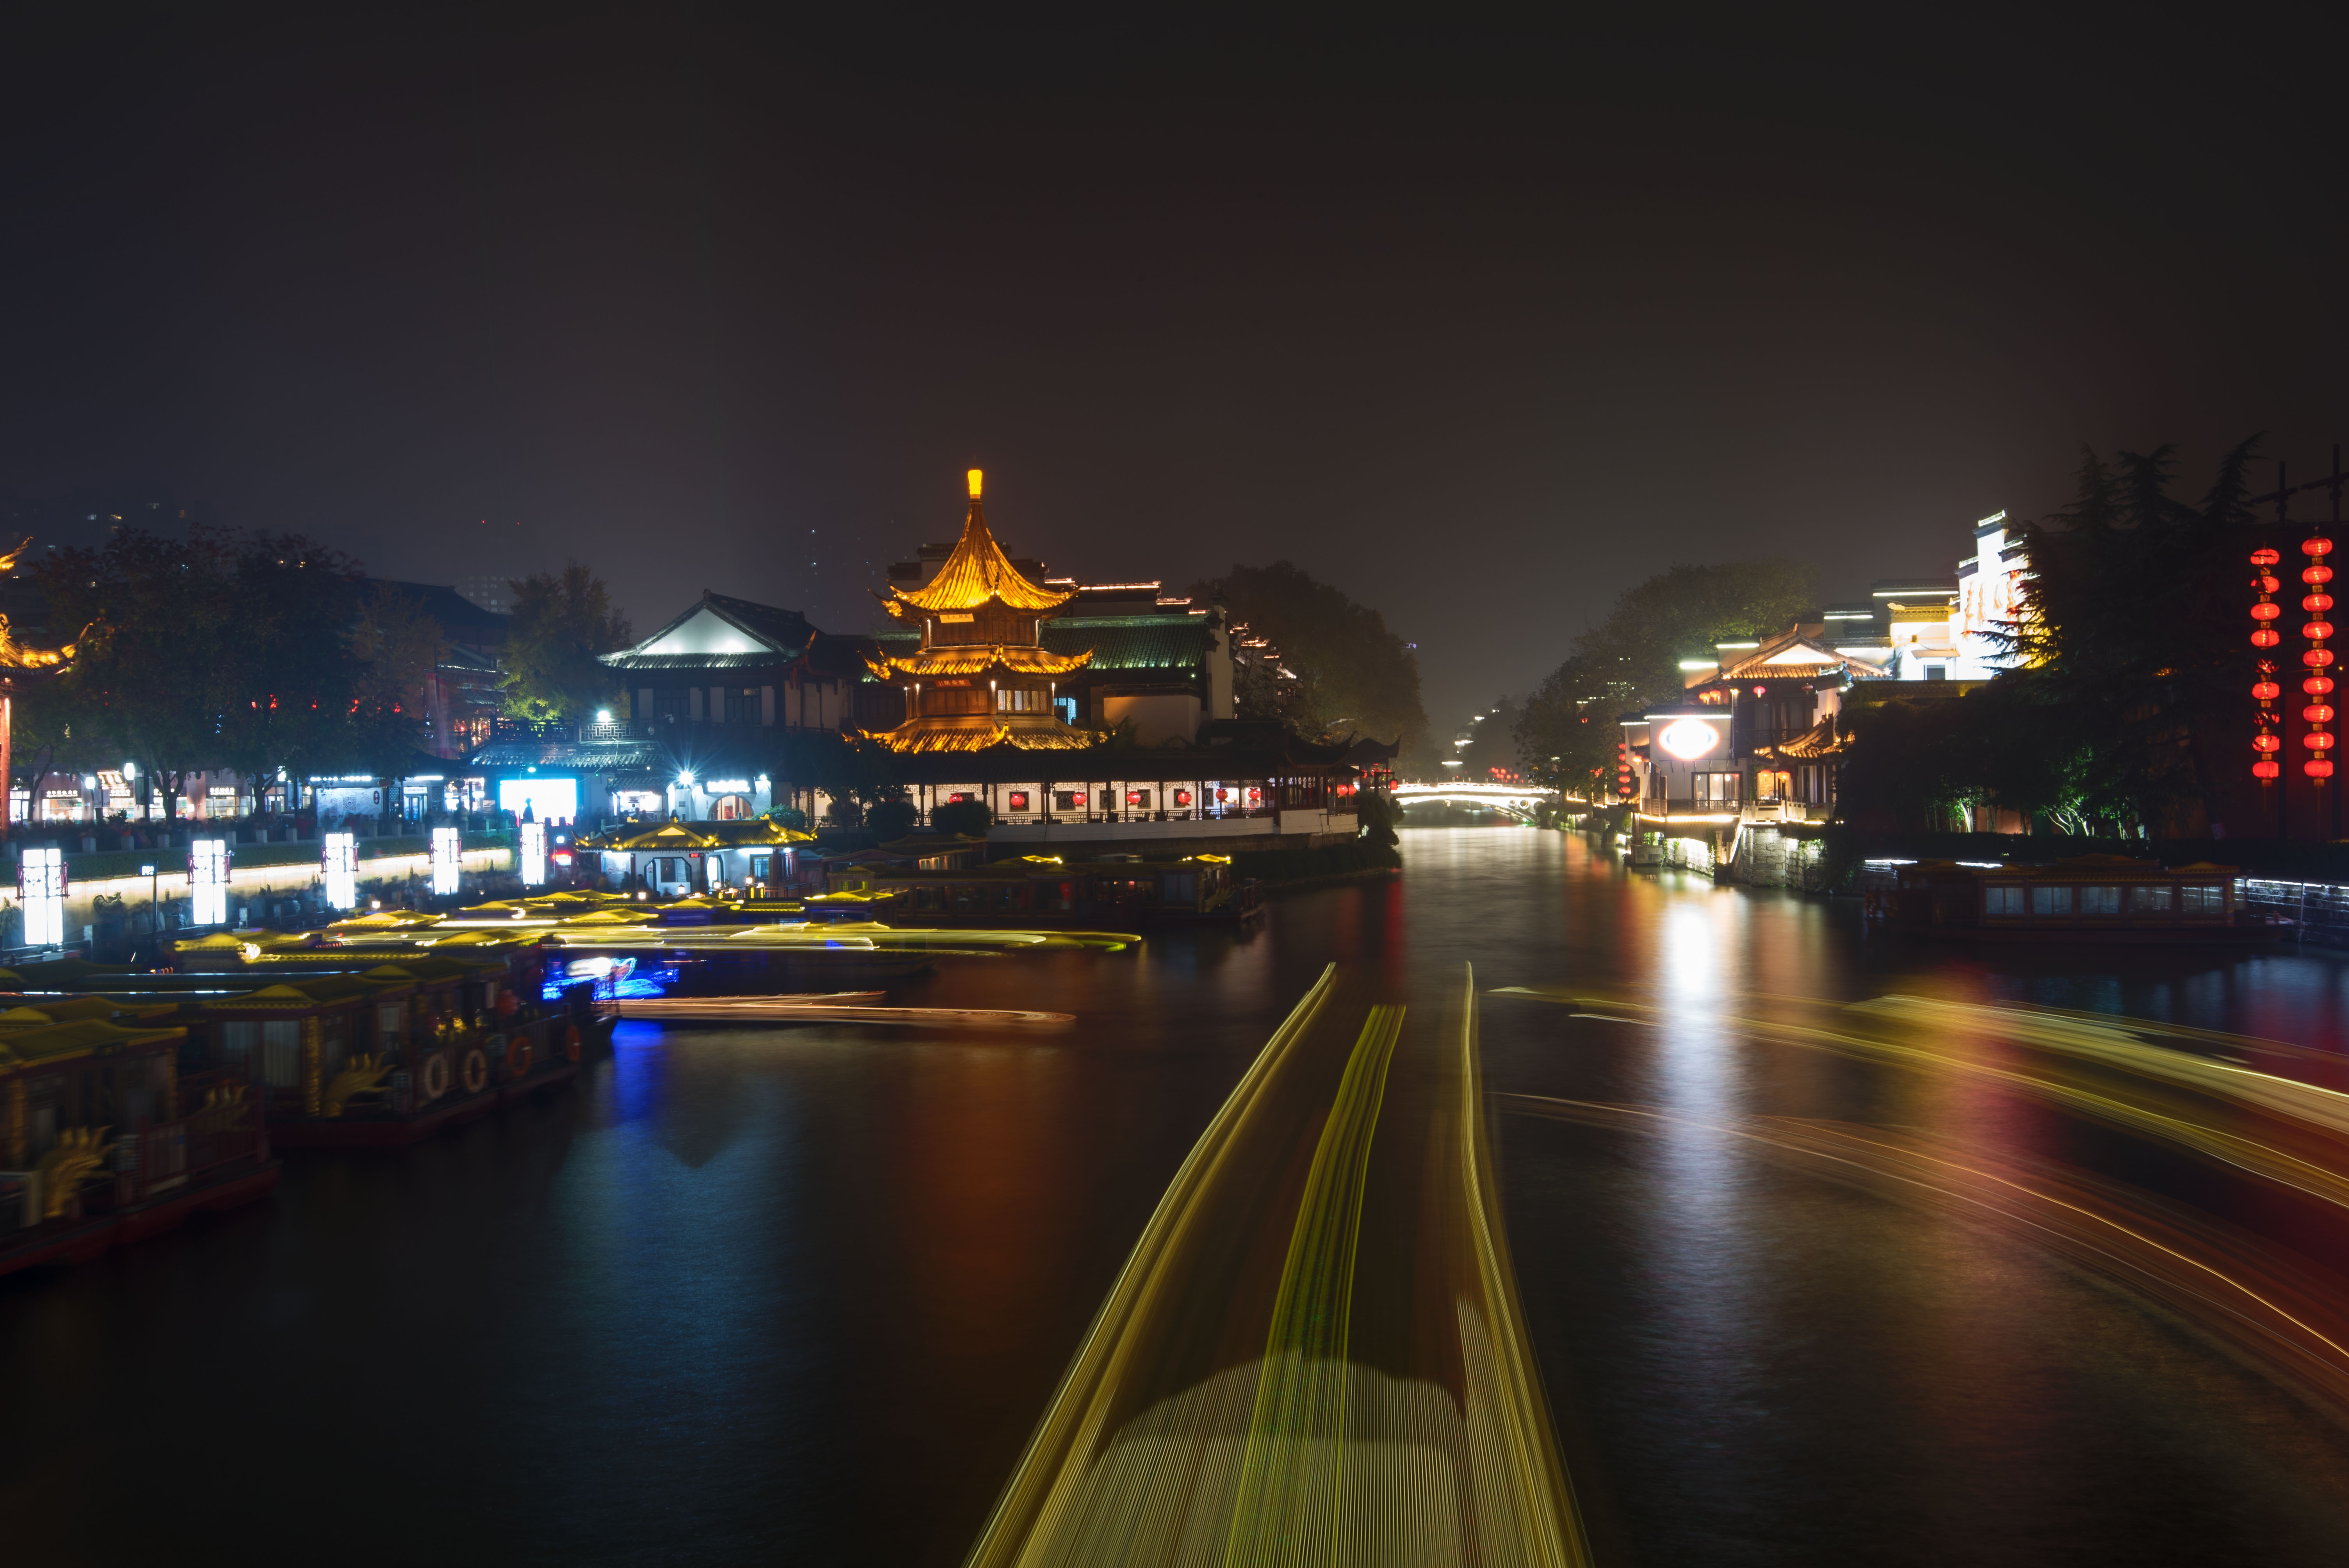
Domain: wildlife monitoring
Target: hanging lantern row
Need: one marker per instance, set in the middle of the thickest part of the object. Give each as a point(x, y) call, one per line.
point(2318, 684)
point(1623, 770)
point(2264, 636)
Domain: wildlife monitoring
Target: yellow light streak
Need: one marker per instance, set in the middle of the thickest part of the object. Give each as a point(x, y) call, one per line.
point(1290, 1479)
point(1304, 1456)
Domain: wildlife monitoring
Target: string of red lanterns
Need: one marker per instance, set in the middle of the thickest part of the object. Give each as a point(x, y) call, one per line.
point(2265, 744)
point(2318, 684)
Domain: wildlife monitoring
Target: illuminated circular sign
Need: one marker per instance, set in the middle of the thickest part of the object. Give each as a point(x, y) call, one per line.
point(1689, 739)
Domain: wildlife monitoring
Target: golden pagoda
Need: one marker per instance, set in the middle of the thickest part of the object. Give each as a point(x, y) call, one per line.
point(982, 676)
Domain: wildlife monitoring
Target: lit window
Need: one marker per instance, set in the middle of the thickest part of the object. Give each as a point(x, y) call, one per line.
point(2149, 901)
point(2051, 900)
point(2208, 900)
point(2100, 901)
point(2002, 899)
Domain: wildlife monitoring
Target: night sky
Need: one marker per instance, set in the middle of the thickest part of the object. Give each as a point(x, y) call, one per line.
point(1482, 324)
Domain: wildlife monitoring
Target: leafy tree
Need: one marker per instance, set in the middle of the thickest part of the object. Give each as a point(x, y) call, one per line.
point(1379, 817)
point(164, 658)
point(890, 818)
point(1346, 672)
point(857, 772)
point(1492, 744)
point(2128, 640)
point(969, 817)
point(561, 621)
point(1569, 732)
point(291, 670)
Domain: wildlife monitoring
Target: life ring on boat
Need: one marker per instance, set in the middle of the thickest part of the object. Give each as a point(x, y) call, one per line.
point(571, 1041)
point(477, 1070)
point(517, 1055)
point(436, 1075)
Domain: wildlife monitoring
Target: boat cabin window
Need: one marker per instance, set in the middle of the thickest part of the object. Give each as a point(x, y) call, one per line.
point(2204, 900)
point(1183, 887)
point(386, 1026)
point(2150, 900)
point(2100, 901)
point(762, 868)
point(925, 897)
point(2051, 900)
point(280, 1053)
point(2003, 898)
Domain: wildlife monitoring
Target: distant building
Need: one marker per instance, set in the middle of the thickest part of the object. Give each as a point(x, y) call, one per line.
point(493, 591)
point(1123, 656)
point(461, 696)
point(697, 729)
point(1940, 628)
point(1010, 683)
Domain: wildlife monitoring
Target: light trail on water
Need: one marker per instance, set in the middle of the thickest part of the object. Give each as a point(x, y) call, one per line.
point(1309, 1447)
point(2290, 1312)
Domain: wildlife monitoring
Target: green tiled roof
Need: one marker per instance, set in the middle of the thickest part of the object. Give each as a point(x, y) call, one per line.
point(1132, 642)
point(1171, 642)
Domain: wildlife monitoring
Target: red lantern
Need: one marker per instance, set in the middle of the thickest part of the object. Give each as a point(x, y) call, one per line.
point(2317, 630)
point(2317, 685)
point(2265, 612)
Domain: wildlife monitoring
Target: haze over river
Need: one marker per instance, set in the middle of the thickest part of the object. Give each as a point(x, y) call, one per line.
point(801, 1294)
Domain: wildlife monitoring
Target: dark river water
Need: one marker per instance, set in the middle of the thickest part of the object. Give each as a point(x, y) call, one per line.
point(800, 1294)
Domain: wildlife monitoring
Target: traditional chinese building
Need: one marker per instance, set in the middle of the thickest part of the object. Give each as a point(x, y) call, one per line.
point(1005, 662)
point(982, 676)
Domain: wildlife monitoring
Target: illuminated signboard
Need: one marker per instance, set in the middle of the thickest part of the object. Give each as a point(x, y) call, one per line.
point(1690, 738)
point(547, 799)
point(533, 854)
point(340, 860)
point(208, 882)
point(41, 889)
point(448, 855)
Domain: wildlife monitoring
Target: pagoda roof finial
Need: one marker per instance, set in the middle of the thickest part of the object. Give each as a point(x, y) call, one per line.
point(977, 572)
